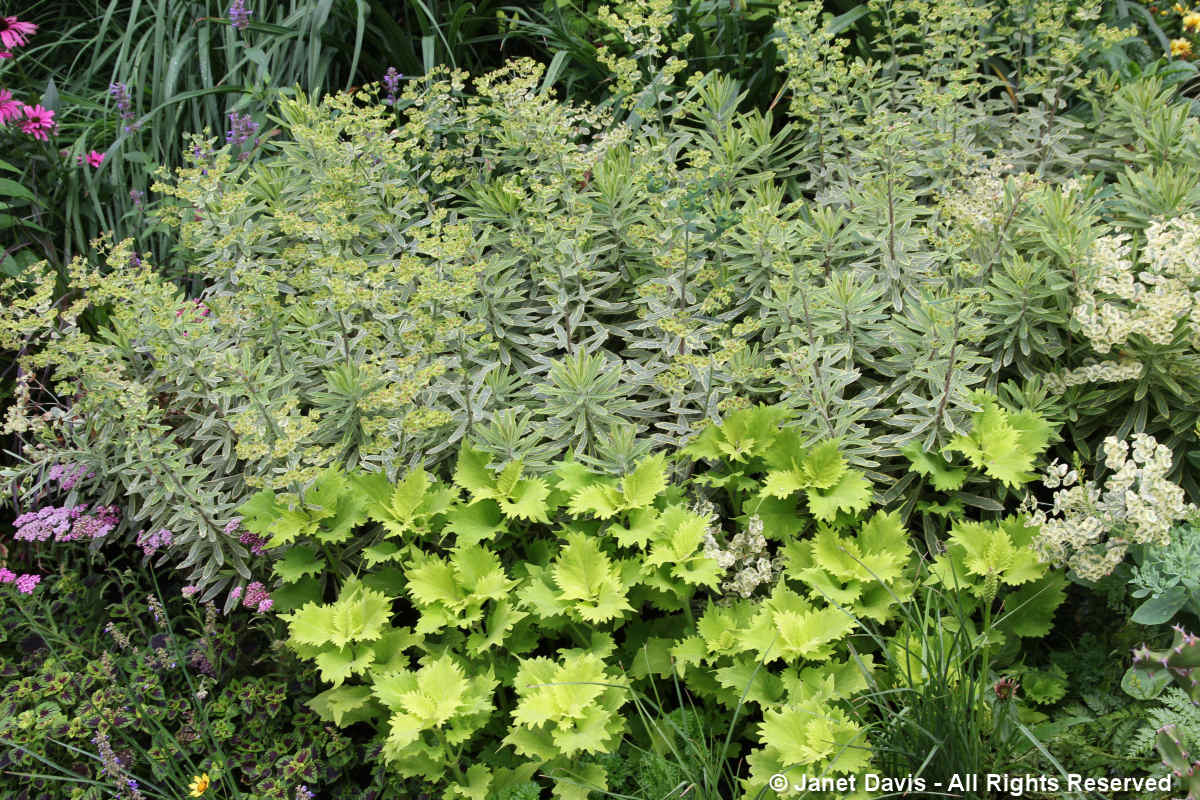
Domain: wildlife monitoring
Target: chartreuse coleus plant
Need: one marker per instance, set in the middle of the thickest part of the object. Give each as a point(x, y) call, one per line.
point(1001, 447)
point(505, 620)
point(1001, 591)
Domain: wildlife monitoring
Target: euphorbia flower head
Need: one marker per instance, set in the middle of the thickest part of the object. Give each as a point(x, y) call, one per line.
point(13, 32)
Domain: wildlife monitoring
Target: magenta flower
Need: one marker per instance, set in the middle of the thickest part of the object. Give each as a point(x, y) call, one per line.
point(188, 591)
point(26, 583)
point(150, 543)
point(68, 475)
point(257, 597)
point(95, 159)
point(38, 122)
point(13, 32)
point(9, 109)
point(7, 575)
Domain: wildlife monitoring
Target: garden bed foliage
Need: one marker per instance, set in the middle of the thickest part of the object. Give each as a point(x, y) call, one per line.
point(705, 431)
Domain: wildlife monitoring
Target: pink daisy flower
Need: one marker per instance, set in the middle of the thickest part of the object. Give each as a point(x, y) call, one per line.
point(38, 122)
point(13, 32)
point(9, 109)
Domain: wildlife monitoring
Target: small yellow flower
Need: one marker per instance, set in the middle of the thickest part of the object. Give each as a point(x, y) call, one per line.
point(1181, 48)
point(1179, 9)
point(199, 785)
point(1191, 21)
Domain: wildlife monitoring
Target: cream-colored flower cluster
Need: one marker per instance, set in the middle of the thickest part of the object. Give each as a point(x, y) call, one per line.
point(1150, 296)
point(1089, 529)
point(1152, 301)
point(1102, 372)
point(981, 204)
point(748, 548)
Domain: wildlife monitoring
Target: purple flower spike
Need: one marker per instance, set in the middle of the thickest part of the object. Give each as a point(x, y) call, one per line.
point(391, 82)
point(239, 15)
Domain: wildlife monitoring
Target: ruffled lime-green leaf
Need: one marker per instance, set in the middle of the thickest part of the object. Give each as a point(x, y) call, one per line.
point(779, 517)
point(535, 743)
point(338, 664)
point(259, 512)
point(811, 635)
point(852, 493)
point(839, 557)
point(298, 562)
point(885, 547)
point(480, 572)
point(358, 615)
point(540, 595)
point(588, 580)
point(944, 477)
point(580, 782)
point(290, 525)
point(814, 735)
point(390, 648)
point(321, 499)
point(376, 490)
point(349, 513)
point(439, 692)
point(951, 508)
point(344, 705)
point(507, 480)
point(680, 534)
point(291, 596)
point(878, 600)
point(699, 571)
point(783, 483)
point(741, 435)
point(690, 651)
point(1029, 610)
point(572, 476)
point(722, 627)
point(586, 733)
point(648, 479)
point(475, 522)
point(500, 621)
point(433, 581)
point(312, 624)
point(527, 500)
point(478, 781)
point(746, 678)
point(997, 447)
point(601, 500)
point(643, 525)
point(824, 465)
point(472, 473)
point(405, 501)
point(1033, 430)
point(381, 552)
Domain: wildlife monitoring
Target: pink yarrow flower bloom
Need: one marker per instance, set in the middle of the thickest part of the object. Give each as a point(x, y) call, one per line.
point(26, 583)
point(13, 32)
point(38, 122)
